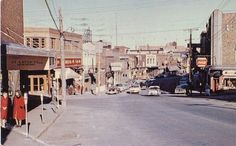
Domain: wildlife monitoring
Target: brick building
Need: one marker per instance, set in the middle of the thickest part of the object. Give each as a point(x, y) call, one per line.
point(15, 57)
point(218, 44)
point(151, 60)
point(12, 29)
point(49, 39)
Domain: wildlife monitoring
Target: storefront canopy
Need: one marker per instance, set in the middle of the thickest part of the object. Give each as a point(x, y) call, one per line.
point(69, 74)
point(20, 57)
point(16, 49)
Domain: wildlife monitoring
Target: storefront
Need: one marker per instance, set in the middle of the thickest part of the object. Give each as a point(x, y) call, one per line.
point(26, 69)
point(222, 79)
point(72, 73)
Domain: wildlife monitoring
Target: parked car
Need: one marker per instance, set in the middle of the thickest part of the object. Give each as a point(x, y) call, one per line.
point(112, 91)
point(134, 89)
point(167, 83)
point(151, 91)
point(181, 89)
point(183, 85)
point(121, 87)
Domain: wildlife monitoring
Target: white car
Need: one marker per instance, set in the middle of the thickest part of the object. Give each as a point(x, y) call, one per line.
point(181, 89)
point(151, 91)
point(112, 91)
point(121, 87)
point(133, 89)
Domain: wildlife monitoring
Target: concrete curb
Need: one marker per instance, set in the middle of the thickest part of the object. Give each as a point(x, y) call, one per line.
point(45, 129)
point(42, 132)
point(32, 137)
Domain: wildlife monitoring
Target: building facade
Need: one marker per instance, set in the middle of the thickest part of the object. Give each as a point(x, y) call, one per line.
point(16, 59)
point(88, 63)
point(49, 39)
point(152, 60)
point(218, 44)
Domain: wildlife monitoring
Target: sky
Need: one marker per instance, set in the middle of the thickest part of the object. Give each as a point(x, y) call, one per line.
point(138, 22)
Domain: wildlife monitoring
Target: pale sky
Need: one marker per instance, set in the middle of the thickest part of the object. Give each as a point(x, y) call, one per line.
point(139, 22)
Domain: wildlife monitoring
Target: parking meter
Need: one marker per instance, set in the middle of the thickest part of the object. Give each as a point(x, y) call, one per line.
point(26, 114)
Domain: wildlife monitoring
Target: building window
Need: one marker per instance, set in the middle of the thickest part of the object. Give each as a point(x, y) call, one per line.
point(35, 42)
point(51, 61)
point(43, 42)
point(53, 43)
point(148, 61)
point(28, 42)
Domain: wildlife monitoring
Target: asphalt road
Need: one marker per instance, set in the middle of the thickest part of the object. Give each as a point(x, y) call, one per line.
point(134, 120)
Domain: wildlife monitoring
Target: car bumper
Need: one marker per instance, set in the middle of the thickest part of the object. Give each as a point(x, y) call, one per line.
point(180, 91)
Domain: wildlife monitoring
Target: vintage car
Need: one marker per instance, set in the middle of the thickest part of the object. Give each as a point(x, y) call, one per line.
point(151, 91)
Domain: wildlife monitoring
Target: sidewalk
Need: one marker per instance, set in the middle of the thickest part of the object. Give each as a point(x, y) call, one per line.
point(224, 100)
point(17, 136)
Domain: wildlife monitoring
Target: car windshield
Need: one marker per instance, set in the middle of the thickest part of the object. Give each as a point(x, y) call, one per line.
point(135, 86)
point(154, 88)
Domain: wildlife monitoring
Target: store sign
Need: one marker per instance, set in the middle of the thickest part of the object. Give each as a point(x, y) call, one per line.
point(23, 62)
point(70, 62)
point(201, 62)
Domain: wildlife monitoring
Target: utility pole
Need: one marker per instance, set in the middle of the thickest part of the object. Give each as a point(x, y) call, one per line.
point(116, 30)
point(190, 30)
point(63, 80)
point(100, 44)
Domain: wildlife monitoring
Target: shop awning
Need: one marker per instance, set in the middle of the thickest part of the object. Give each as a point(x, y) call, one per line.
point(20, 57)
point(69, 73)
point(16, 49)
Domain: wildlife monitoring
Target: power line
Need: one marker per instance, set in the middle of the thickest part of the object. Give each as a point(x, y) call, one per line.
point(54, 7)
point(147, 32)
point(50, 12)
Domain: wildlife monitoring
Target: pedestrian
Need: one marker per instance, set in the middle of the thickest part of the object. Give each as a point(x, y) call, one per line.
point(18, 108)
point(82, 89)
point(93, 87)
point(4, 109)
point(207, 90)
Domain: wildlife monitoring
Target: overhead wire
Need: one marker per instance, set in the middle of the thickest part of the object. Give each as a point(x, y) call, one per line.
point(50, 12)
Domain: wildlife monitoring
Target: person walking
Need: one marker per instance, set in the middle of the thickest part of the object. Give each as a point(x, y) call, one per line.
point(82, 89)
point(4, 109)
point(18, 108)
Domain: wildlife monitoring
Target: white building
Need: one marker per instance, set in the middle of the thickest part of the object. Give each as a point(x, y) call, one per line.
point(88, 63)
point(89, 56)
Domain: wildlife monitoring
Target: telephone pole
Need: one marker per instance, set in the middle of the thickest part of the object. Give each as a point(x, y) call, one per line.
point(190, 30)
point(116, 30)
point(63, 80)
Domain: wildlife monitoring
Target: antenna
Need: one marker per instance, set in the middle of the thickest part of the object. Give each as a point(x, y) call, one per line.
point(87, 37)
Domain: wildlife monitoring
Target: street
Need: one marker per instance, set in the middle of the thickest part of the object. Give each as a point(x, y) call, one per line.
point(134, 120)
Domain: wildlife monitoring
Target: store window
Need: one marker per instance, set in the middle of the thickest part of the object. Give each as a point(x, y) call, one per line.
point(38, 83)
